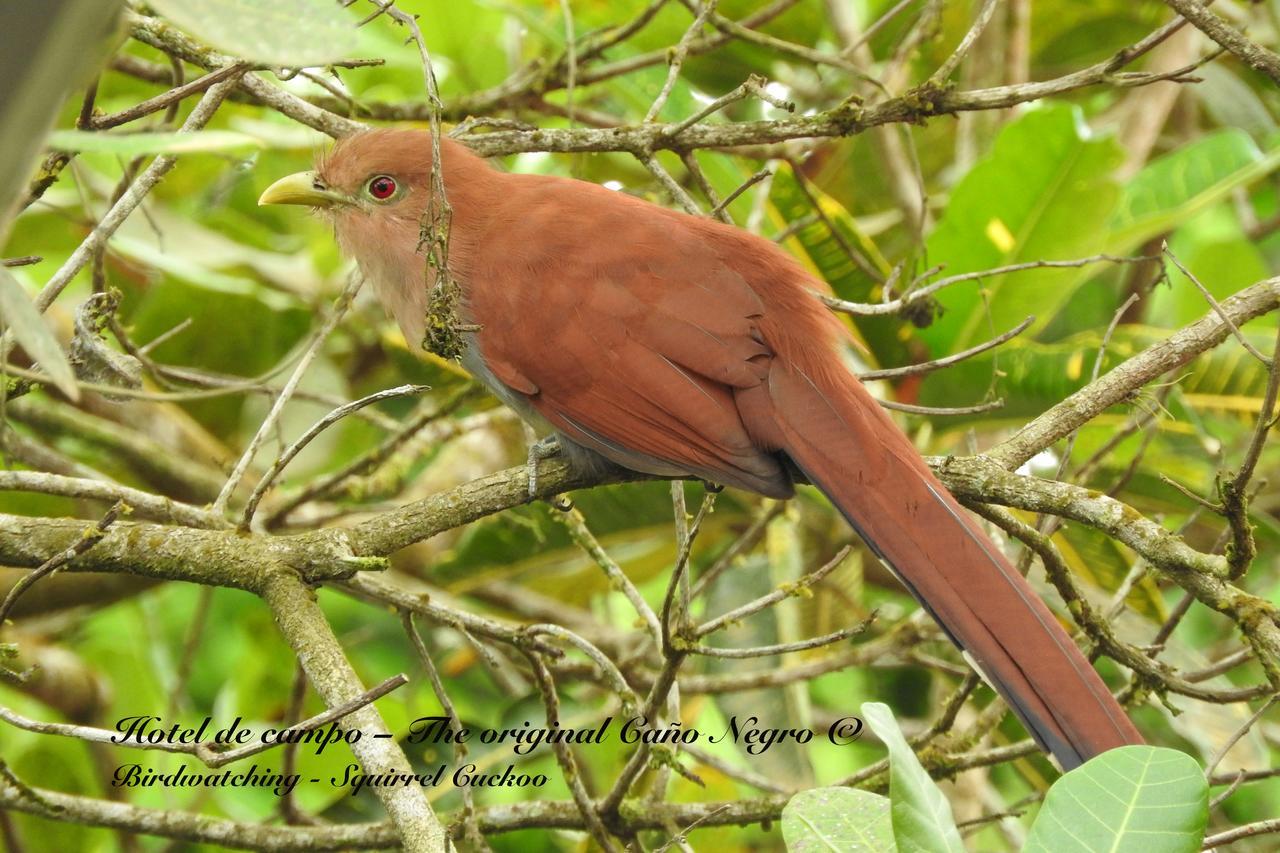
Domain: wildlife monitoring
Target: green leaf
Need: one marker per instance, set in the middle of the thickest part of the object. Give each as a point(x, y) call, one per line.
point(133, 144)
point(1184, 182)
point(279, 32)
point(1044, 193)
point(922, 817)
point(1144, 799)
point(839, 820)
point(28, 326)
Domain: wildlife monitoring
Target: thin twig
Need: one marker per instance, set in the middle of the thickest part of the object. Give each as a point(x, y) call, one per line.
point(287, 455)
point(677, 58)
point(268, 424)
point(1217, 307)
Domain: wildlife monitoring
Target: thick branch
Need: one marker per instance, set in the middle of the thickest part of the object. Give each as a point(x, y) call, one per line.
point(304, 625)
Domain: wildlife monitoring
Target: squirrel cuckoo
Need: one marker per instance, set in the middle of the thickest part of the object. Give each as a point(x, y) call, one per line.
point(680, 346)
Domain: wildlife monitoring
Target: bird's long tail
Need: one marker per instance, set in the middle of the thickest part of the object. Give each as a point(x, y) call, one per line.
point(849, 448)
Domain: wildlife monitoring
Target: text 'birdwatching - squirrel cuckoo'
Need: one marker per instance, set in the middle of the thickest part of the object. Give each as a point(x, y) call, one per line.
point(680, 346)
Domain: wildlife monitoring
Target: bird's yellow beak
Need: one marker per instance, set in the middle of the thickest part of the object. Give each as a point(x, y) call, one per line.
point(302, 188)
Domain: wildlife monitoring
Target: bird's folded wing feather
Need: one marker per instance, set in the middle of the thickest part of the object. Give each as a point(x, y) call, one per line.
point(640, 347)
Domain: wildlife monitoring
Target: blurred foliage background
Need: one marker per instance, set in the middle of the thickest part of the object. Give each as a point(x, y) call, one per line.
point(1105, 169)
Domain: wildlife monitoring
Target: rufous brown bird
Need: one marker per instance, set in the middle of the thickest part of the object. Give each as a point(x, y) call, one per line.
point(680, 346)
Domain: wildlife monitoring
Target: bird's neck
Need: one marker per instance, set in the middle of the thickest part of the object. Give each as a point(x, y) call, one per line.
point(399, 270)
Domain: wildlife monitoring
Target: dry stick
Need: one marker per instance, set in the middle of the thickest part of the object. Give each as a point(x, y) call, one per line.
point(1048, 525)
point(144, 504)
point(576, 524)
point(690, 160)
point(879, 24)
point(318, 427)
point(1204, 291)
point(613, 676)
point(784, 648)
point(664, 688)
point(1231, 789)
point(290, 811)
point(326, 483)
point(772, 598)
point(571, 58)
point(1264, 424)
point(741, 774)
point(513, 90)
point(268, 424)
point(455, 725)
point(564, 756)
point(946, 361)
point(913, 409)
point(677, 59)
point(743, 187)
point(212, 755)
point(937, 78)
point(1221, 752)
point(753, 86)
point(231, 387)
point(678, 193)
point(1222, 665)
point(1249, 830)
point(869, 309)
point(741, 32)
point(836, 122)
point(228, 384)
point(186, 826)
point(369, 587)
point(90, 538)
point(771, 510)
point(171, 97)
point(1097, 628)
point(190, 647)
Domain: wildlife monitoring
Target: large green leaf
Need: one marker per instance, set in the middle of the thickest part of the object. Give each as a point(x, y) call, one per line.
point(1045, 193)
point(838, 820)
point(20, 316)
point(1135, 799)
point(1184, 182)
point(279, 32)
point(922, 817)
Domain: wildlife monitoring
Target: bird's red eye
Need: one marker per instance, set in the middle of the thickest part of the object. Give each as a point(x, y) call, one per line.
point(382, 187)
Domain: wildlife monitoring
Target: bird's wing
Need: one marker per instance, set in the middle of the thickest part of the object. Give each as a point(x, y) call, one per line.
point(635, 350)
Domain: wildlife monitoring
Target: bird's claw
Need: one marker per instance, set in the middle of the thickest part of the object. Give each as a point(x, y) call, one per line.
point(544, 448)
point(713, 488)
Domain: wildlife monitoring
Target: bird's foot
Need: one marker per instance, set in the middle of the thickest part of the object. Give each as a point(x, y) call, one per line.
point(544, 448)
point(713, 488)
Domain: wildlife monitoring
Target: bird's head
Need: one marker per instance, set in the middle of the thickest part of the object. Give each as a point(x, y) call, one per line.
point(377, 176)
point(375, 186)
